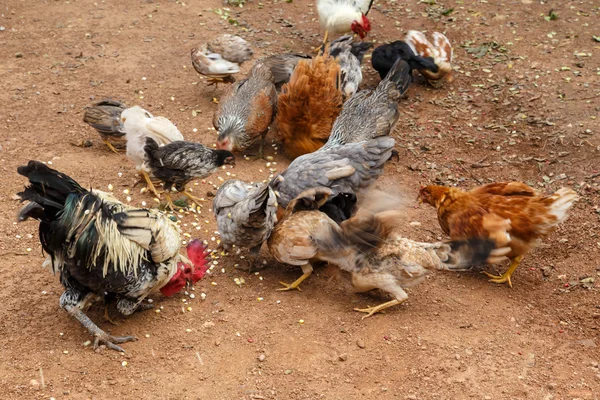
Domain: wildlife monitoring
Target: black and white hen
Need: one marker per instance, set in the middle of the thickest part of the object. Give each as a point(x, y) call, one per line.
point(177, 163)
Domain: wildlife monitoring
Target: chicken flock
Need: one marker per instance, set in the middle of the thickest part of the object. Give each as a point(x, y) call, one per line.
point(321, 209)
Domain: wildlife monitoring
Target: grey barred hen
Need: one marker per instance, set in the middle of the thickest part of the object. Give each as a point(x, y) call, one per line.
point(372, 113)
point(221, 58)
point(102, 248)
point(246, 215)
point(177, 163)
point(349, 56)
point(348, 168)
point(246, 111)
point(105, 117)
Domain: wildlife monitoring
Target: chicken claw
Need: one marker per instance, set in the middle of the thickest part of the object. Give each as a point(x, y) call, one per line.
point(505, 277)
point(149, 184)
point(372, 310)
point(306, 271)
point(192, 197)
point(100, 337)
point(110, 146)
point(103, 338)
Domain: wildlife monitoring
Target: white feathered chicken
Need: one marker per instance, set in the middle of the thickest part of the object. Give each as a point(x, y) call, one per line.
point(139, 124)
point(220, 58)
point(344, 16)
point(104, 249)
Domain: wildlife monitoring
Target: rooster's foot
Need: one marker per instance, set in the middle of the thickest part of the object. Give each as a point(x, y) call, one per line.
point(306, 271)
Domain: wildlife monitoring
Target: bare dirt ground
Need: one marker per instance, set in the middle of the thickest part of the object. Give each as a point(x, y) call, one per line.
point(524, 106)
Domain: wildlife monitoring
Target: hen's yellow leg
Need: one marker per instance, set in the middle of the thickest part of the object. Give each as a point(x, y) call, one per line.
point(372, 310)
point(306, 271)
point(149, 183)
point(192, 197)
point(110, 146)
point(505, 277)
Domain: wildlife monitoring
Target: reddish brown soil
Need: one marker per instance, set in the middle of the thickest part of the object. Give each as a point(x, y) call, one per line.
point(527, 112)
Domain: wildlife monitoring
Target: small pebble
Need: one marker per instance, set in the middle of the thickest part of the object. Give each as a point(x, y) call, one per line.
point(261, 357)
point(343, 357)
point(360, 343)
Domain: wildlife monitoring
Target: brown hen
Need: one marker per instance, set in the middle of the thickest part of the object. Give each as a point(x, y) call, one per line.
point(246, 111)
point(308, 105)
point(532, 216)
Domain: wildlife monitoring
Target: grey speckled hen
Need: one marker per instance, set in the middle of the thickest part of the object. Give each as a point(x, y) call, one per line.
point(179, 162)
point(344, 169)
point(369, 114)
point(245, 213)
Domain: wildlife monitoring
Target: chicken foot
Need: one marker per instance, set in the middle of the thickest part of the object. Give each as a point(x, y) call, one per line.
point(170, 203)
point(505, 277)
point(100, 337)
point(261, 146)
point(193, 198)
point(253, 261)
point(385, 282)
point(110, 146)
point(307, 270)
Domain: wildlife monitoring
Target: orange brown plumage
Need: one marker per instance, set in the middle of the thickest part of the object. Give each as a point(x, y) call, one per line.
point(308, 105)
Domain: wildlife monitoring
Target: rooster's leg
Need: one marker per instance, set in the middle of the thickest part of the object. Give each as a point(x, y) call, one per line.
point(110, 146)
point(366, 282)
point(100, 337)
point(149, 184)
point(306, 271)
point(322, 46)
point(505, 277)
point(128, 307)
point(253, 261)
point(192, 197)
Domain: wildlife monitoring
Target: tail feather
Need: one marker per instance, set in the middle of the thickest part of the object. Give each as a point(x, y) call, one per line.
point(48, 187)
point(563, 200)
point(460, 255)
point(400, 76)
point(150, 148)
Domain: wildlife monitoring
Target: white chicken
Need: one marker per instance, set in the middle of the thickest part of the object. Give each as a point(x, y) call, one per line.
point(139, 124)
point(220, 58)
point(343, 16)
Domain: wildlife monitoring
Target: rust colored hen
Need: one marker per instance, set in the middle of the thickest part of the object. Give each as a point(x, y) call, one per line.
point(532, 216)
point(308, 105)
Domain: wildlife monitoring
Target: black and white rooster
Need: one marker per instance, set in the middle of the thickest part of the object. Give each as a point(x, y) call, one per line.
point(102, 248)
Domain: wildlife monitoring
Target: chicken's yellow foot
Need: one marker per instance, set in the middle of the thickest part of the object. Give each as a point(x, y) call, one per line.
point(260, 155)
point(170, 204)
point(192, 197)
point(110, 146)
point(107, 317)
point(149, 184)
point(372, 310)
point(505, 277)
point(306, 271)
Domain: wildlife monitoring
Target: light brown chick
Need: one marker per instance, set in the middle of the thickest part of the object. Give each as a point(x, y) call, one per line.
point(440, 50)
point(308, 105)
point(532, 215)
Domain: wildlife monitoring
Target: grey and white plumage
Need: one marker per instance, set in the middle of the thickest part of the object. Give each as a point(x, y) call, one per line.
point(222, 56)
point(347, 168)
point(282, 66)
point(349, 56)
point(372, 113)
point(179, 162)
point(246, 213)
